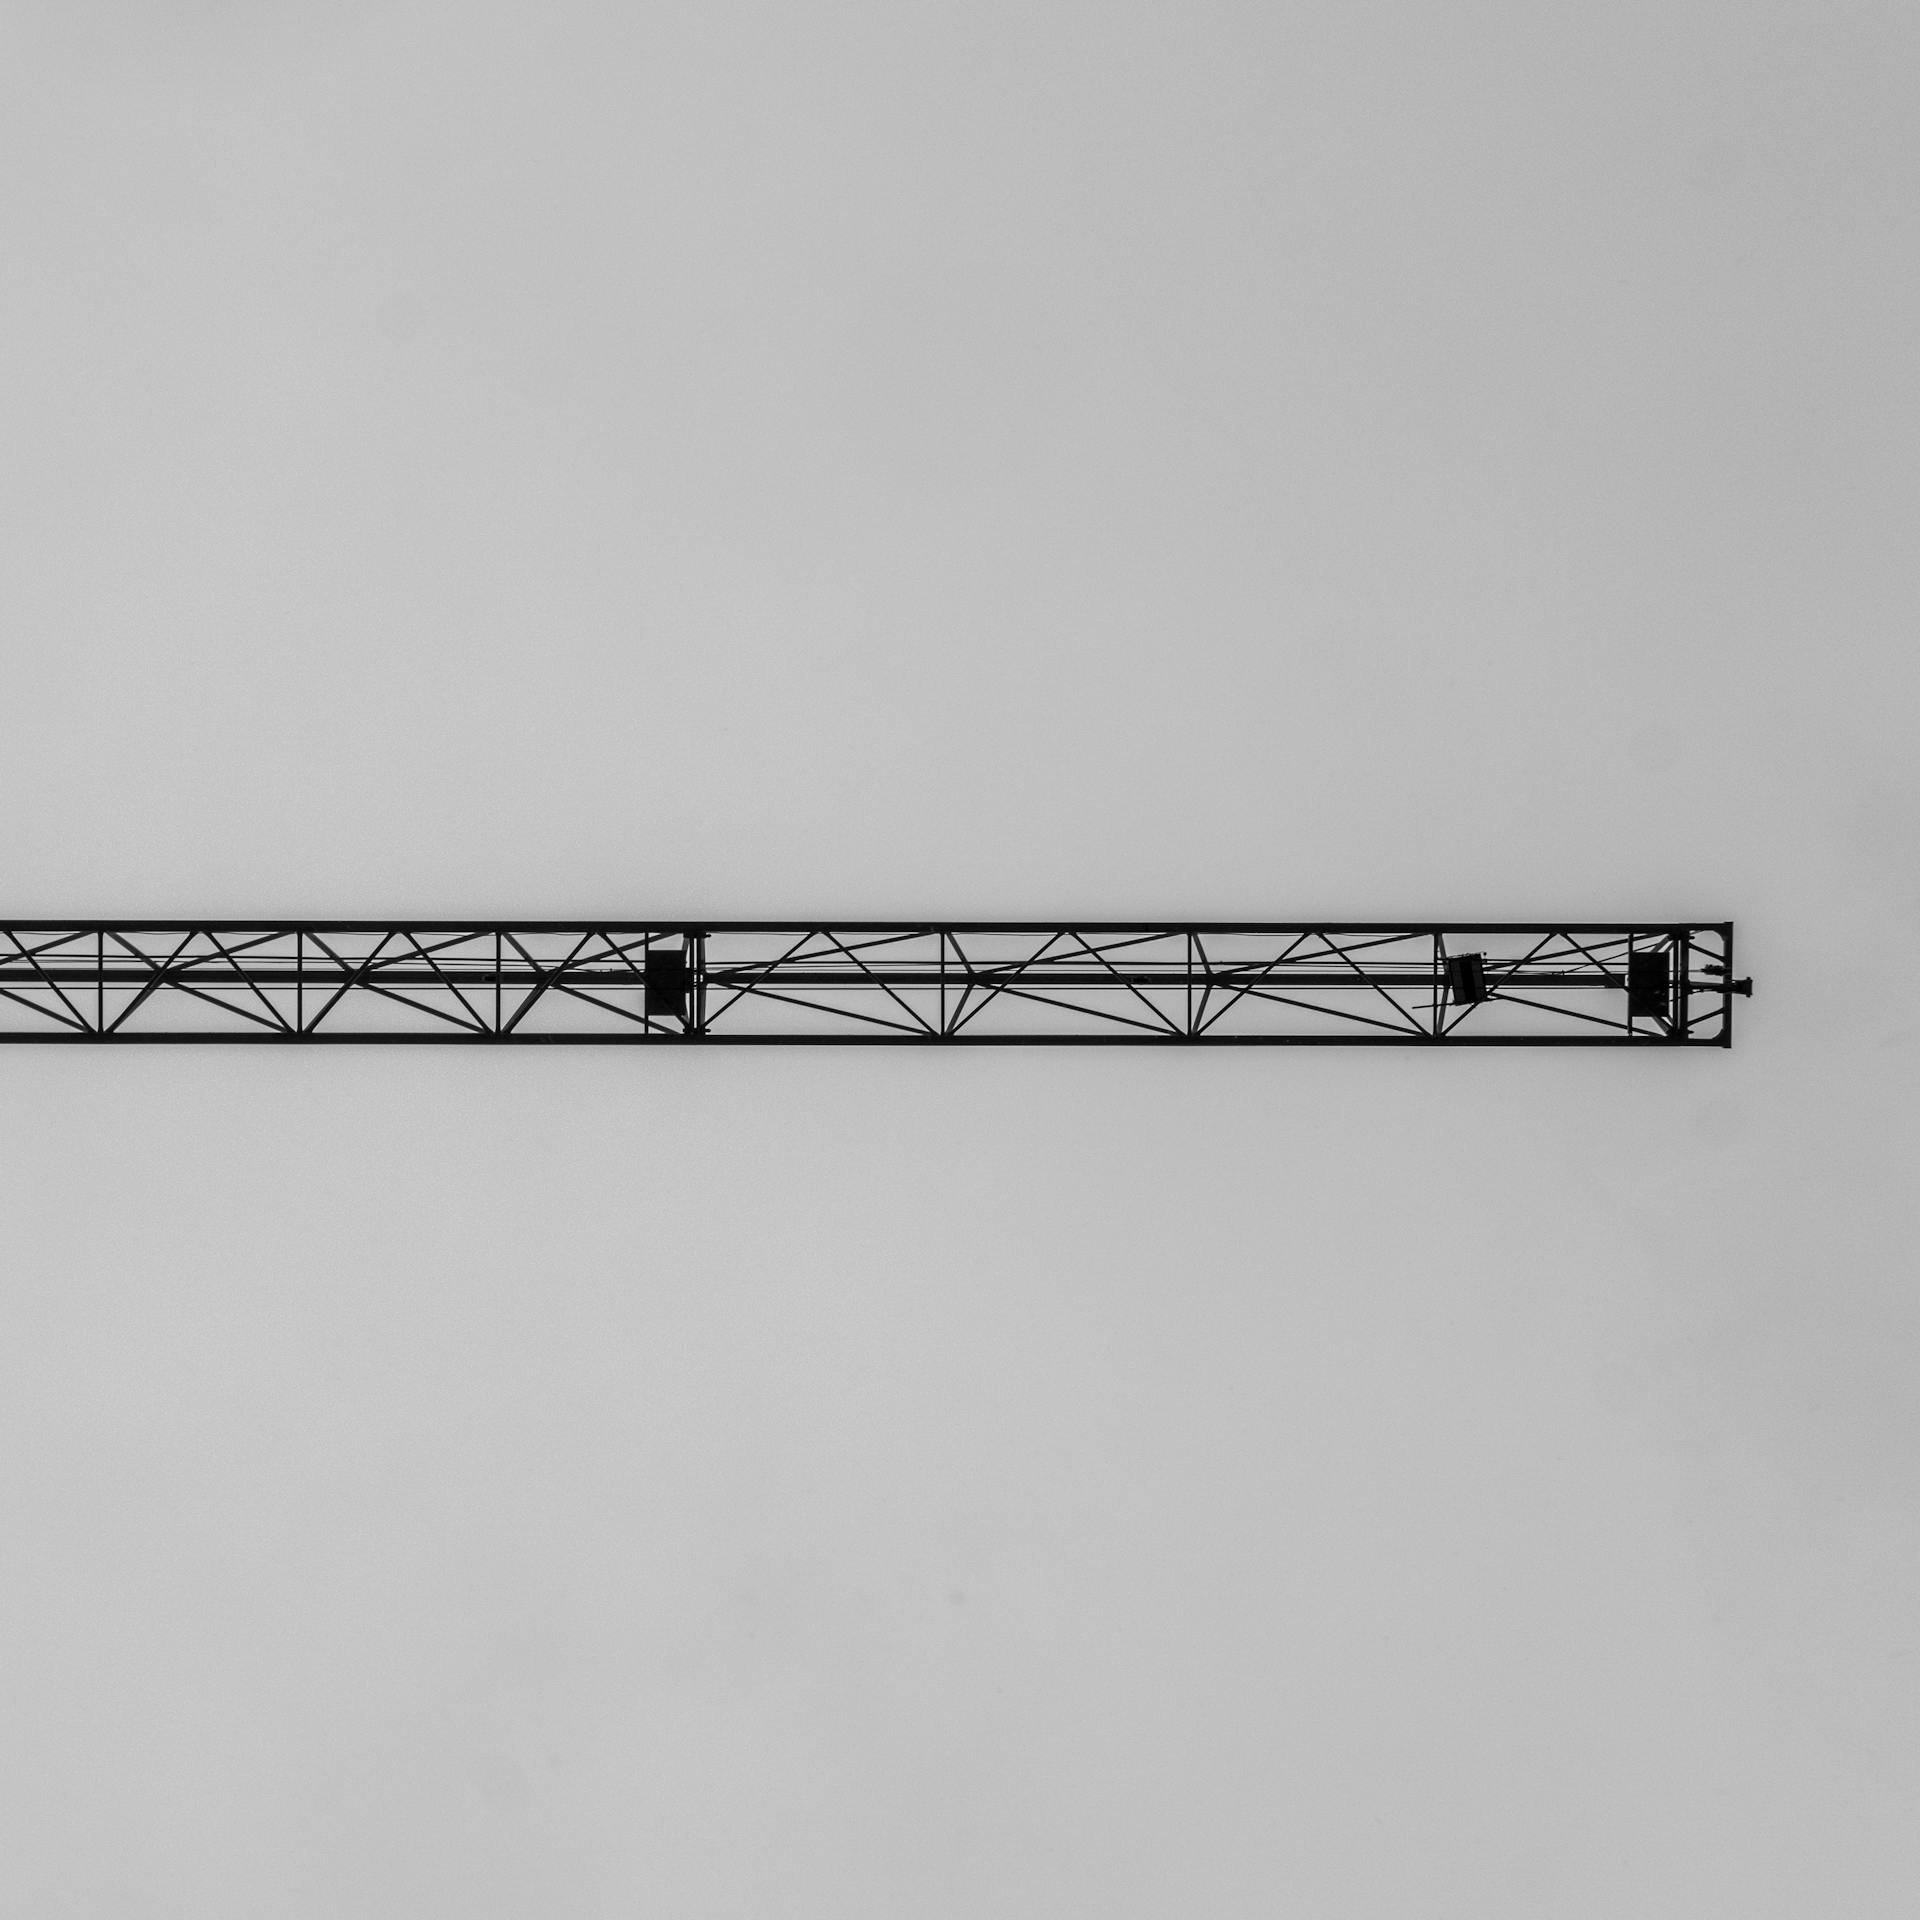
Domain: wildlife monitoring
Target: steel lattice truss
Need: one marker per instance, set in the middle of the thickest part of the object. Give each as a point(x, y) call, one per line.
point(862, 982)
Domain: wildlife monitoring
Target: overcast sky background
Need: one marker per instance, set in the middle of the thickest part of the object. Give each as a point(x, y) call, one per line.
point(964, 461)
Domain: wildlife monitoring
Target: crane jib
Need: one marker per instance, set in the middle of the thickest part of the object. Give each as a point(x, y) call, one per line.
point(867, 982)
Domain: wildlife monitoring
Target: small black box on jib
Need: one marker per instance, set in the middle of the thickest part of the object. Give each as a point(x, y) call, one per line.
point(668, 979)
point(1466, 978)
point(1650, 985)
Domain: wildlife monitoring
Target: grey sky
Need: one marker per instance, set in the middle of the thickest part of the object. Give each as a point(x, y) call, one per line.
point(974, 461)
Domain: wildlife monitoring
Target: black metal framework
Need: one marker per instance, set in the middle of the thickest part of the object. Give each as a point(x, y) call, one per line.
point(868, 983)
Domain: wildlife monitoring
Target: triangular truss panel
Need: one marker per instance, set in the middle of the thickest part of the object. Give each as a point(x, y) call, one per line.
point(871, 983)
